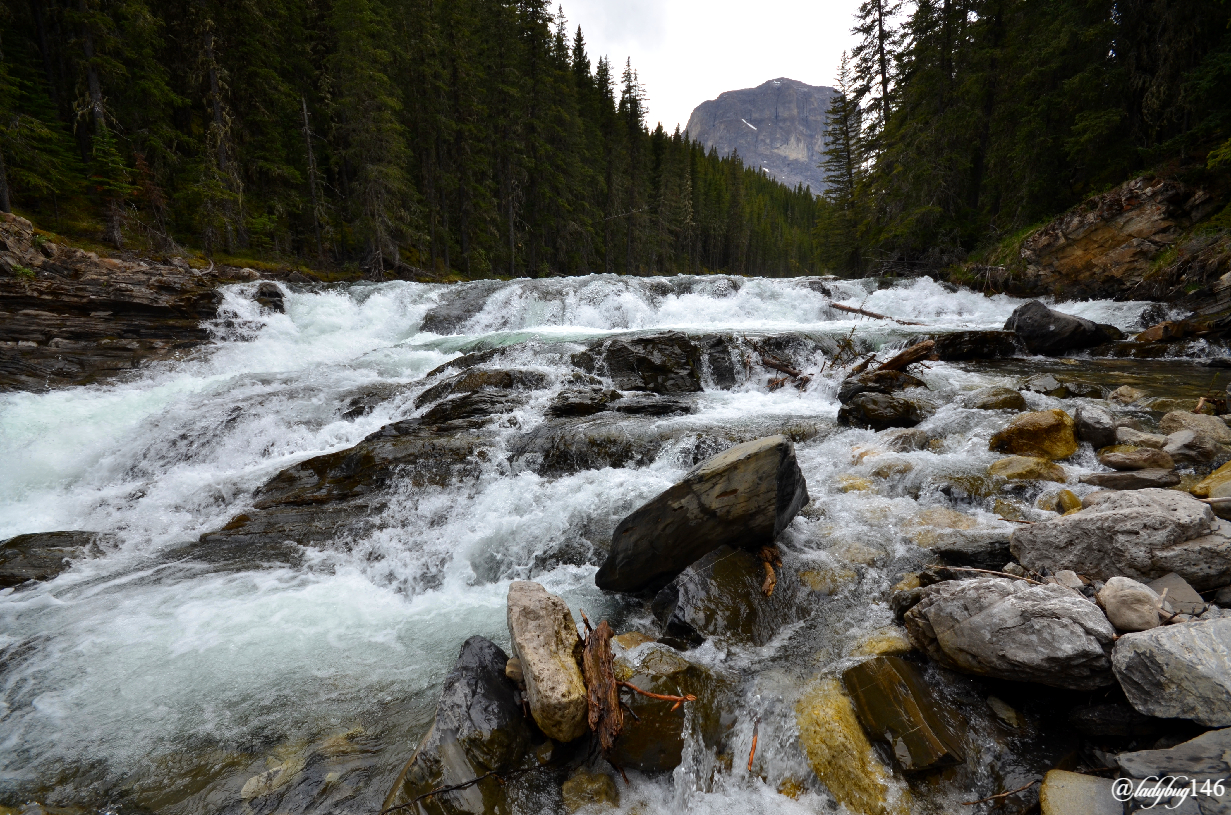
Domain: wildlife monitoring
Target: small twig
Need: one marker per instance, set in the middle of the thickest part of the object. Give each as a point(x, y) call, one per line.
point(984, 571)
point(1001, 795)
point(752, 753)
point(663, 697)
point(1016, 521)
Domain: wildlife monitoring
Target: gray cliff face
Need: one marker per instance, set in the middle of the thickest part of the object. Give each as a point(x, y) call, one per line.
point(779, 126)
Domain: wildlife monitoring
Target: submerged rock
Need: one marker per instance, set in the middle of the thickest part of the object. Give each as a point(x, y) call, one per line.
point(1178, 671)
point(877, 382)
point(479, 728)
point(879, 411)
point(743, 497)
point(43, 555)
point(585, 789)
point(894, 703)
point(1010, 629)
point(660, 363)
point(1045, 433)
point(546, 642)
point(1049, 332)
point(1143, 534)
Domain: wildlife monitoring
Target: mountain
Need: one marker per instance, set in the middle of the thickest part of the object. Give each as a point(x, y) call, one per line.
point(779, 126)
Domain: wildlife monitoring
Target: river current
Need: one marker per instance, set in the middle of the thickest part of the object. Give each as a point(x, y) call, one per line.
point(147, 680)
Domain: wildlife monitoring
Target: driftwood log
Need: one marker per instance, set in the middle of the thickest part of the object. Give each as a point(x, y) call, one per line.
point(605, 717)
point(916, 353)
point(873, 314)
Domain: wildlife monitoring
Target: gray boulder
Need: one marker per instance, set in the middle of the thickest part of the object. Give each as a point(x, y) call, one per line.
point(1133, 480)
point(1207, 757)
point(1010, 629)
point(879, 411)
point(1095, 425)
point(877, 382)
point(743, 498)
point(1178, 671)
point(1130, 606)
point(1192, 446)
point(479, 728)
point(1211, 426)
point(1049, 332)
point(1138, 438)
point(546, 642)
point(1142, 534)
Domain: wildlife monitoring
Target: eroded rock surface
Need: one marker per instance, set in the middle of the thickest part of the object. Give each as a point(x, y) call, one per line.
point(1178, 671)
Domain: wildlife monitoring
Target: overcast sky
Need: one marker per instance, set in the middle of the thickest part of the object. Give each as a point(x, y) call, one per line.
point(687, 51)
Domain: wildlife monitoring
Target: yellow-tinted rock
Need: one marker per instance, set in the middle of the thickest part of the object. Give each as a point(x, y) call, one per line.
point(1044, 433)
point(1215, 485)
point(1126, 395)
point(857, 553)
point(1009, 510)
point(1067, 501)
point(590, 790)
point(828, 580)
point(841, 755)
point(852, 483)
point(891, 468)
point(1027, 468)
point(884, 642)
point(945, 518)
point(632, 639)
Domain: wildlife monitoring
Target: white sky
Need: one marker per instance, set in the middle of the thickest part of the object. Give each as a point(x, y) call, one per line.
point(688, 51)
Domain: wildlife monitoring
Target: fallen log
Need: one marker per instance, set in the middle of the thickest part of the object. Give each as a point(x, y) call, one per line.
point(779, 365)
point(605, 716)
point(873, 314)
point(916, 353)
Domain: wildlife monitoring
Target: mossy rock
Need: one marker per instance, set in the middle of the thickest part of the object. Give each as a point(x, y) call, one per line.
point(1046, 434)
point(1027, 468)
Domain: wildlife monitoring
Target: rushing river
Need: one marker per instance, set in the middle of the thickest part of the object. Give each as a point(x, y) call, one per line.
point(150, 680)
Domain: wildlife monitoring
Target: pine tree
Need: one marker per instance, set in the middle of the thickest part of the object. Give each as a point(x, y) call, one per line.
point(843, 170)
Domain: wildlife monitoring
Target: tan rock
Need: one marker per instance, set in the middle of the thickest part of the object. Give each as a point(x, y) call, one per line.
point(1130, 606)
point(853, 483)
point(585, 789)
point(841, 755)
point(1027, 468)
point(1215, 485)
point(828, 580)
point(884, 642)
point(1065, 793)
point(545, 639)
point(1045, 434)
point(631, 640)
point(1126, 395)
point(1135, 438)
point(1145, 459)
point(1211, 426)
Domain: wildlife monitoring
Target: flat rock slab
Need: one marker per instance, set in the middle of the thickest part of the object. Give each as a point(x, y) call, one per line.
point(1065, 793)
point(545, 639)
point(1010, 629)
point(1178, 671)
point(1142, 534)
point(1133, 480)
point(1182, 597)
point(1207, 756)
point(743, 498)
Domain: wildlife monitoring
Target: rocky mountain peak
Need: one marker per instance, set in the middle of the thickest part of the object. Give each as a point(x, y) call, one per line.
point(778, 125)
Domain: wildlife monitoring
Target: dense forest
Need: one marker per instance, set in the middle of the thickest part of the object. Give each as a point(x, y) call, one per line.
point(961, 123)
point(471, 137)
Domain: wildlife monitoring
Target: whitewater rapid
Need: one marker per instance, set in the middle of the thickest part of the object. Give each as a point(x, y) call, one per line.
point(134, 667)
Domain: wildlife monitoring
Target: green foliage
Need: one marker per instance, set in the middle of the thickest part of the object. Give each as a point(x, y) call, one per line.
point(23, 272)
point(471, 137)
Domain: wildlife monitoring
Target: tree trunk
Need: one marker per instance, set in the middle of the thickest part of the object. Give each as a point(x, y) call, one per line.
point(41, 23)
point(5, 204)
point(316, 222)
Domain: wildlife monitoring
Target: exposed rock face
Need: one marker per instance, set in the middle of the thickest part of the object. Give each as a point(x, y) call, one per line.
point(43, 555)
point(1107, 246)
point(1142, 534)
point(1095, 425)
point(1049, 332)
point(1130, 606)
point(660, 363)
point(1045, 433)
point(743, 497)
point(894, 703)
point(877, 382)
point(1010, 629)
point(779, 126)
point(879, 411)
point(545, 639)
point(1216, 485)
point(1178, 671)
point(478, 379)
point(479, 728)
point(80, 318)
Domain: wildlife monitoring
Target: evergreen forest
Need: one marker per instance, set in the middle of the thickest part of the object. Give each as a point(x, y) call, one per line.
point(456, 137)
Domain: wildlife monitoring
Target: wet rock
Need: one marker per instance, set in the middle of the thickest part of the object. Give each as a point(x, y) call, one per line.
point(1045, 433)
point(995, 399)
point(648, 405)
point(877, 382)
point(1094, 425)
point(465, 361)
point(1181, 597)
point(878, 411)
point(653, 740)
point(1067, 501)
point(43, 555)
point(457, 305)
point(1142, 534)
point(1115, 720)
point(576, 402)
point(479, 728)
point(1178, 671)
point(1216, 485)
point(1205, 758)
point(884, 642)
point(841, 755)
point(1191, 447)
point(894, 703)
point(562, 446)
point(743, 498)
point(1027, 468)
point(1135, 480)
point(1066, 793)
point(907, 440)
point(1047, 385)
point(480, 379)
point(586, 789)
point(720, 596)
point(269, 297)
point(967, 345)
point(719, 354)
point(1165, 331)
point(1146, 459)
point(1211, 426)
point(1136, 438)
point(1010, 629)
point(1129, 605)
point(1049, 332)
point(546, 642)
point(470, 409)
point(1126, 395)
point(660, 363)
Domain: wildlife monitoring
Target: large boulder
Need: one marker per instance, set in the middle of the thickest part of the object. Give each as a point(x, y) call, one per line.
point(479, 728)
point(668, 362)
point(1044, 433)
point(1211, 426)
point(545, 639)
point(1178, 671)
point(1129, 605)
point(1142, 534)
point(43, 555)
point(1010, 629)
point(720, 596)
point(1095, 425)
point(743, 498)
point(1049, 332)
point(877, 382)
point(895, 704)
point(879, 411)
